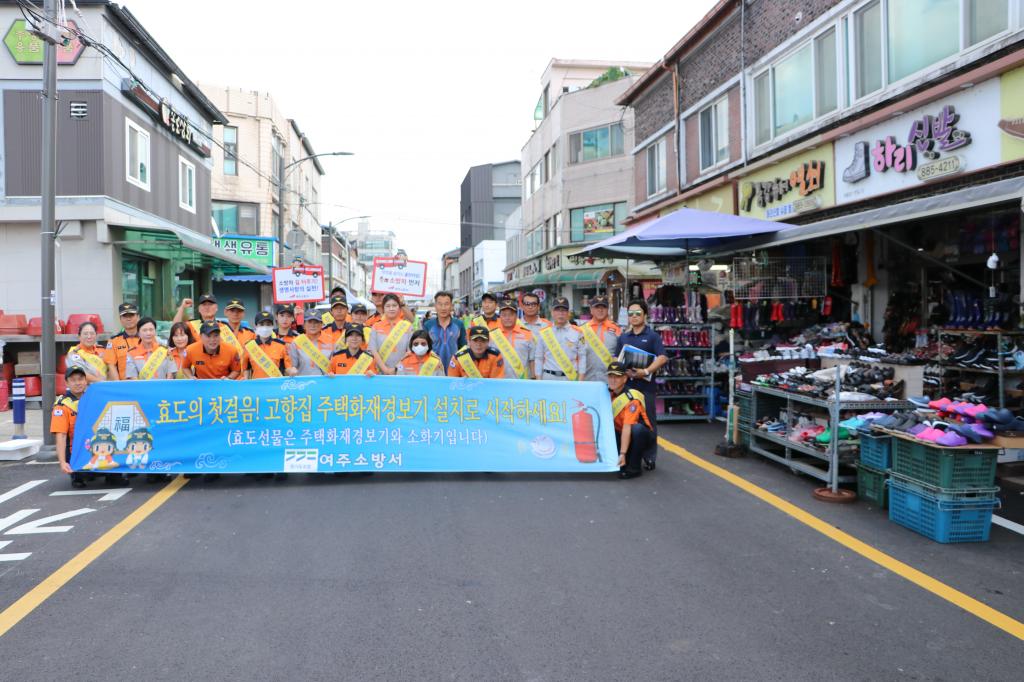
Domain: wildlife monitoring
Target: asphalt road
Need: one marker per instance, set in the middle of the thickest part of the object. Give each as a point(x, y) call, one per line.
point(677, 575)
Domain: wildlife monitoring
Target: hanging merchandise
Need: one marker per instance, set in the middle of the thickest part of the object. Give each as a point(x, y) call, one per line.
point(837, 264)
point(763, 278)
point(869, 254)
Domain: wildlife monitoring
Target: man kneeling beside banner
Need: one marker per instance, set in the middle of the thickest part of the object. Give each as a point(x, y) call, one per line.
point(344, 423)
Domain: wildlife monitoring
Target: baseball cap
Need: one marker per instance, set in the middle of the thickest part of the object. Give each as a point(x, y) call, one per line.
point(264, 316)
point(353, 328)
point(208, 328)
point(74, 369)
point(127, 309)
point(314, 318)
point(234, 304)
point(359, 308)
point(560, 302)
point(479, 332)
point(339, 299)
point(286, 308)
point(509, 302)
point(599, 300)
point(207, 298)
point(491, 295)
point(616, 368)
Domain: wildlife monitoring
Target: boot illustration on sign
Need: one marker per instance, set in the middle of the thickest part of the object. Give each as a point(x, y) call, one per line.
point(858, 168)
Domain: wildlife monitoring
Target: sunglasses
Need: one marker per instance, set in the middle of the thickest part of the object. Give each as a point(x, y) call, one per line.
point(635, 313)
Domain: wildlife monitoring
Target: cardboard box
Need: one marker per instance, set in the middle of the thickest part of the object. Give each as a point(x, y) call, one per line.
point(27, 369)
point(1009, 442)
point(26, 357)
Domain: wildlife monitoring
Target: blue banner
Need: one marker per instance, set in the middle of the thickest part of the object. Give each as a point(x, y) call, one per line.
point(343, 424)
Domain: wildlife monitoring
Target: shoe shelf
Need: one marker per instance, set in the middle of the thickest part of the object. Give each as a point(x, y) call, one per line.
point(824, 463)
point(682, 418)
point(696, 380)
point(978, 370)
point(977, 332)
point(1001, 371)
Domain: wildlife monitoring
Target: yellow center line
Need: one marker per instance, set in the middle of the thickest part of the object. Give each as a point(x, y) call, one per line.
point(922, 580)
point(14, 613)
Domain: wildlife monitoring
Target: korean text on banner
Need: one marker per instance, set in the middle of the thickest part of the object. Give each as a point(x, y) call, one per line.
point(302, 284)
point(345, 423)
point(399, 276)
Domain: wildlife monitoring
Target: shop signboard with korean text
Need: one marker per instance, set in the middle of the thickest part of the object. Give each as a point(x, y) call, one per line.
point(399, 275)
point(800, 184)
point(26, 48)
point(1011, 115)
point(952, 135)
point(298, 284)
point(259, 250)
point(345, 423)
point(719, 200)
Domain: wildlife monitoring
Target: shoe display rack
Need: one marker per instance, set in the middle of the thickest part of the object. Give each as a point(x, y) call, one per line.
point(980, 358)
point(803, 457)
point(684, 388)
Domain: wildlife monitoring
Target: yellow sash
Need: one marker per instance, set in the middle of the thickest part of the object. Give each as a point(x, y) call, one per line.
point(156, 358)
point(362, 364)
point(547, 334)
point(596, 345)
point(478, 321)
point(327, 319)
point(64, 401)
point(469, 367)
point(225, 333)
point(313, 353)
point(94, 361)
point(508, 352)
point(428, 368)
point(619, 404)
point(262, 360)
point(391, 342)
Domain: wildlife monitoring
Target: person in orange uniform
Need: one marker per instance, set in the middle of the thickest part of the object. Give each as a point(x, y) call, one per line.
point(359, 316)
point(377, 299)
point(62, 421)
point(286, 330)
point(509, 337)
point(477, 360)
point(488, 316)
point(138, 364)
point(179, 340)
point(209, 358)
point(599, 332)
point(633, 433)
point(311, 351)
point(421, 360)
point(116, 355)
point(87, 355)
point(235, 312)
point(387, 339)
point(274, 348)
point(339, 313)
point(352, 359)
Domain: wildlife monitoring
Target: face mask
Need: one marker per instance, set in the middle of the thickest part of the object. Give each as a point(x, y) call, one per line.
point(419, 350)
point(264, 331)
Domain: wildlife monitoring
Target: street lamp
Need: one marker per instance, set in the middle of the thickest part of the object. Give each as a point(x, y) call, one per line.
point(283, 176)
point(329, 229)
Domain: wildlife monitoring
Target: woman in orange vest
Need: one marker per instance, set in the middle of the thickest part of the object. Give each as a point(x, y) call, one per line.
point(87, 355)
point(137, 364)
point(353, 359)
point(180, 339)
point(388, 338)
point(421, 360)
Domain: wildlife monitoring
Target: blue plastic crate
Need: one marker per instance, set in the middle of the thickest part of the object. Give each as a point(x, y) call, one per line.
point(942, 515)
point(876, 451)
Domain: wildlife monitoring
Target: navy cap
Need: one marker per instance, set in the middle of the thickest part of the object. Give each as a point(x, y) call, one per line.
point(74, 369)
point(479, 332)
point(509, 302)
point(560, 302)
point(599, 301)
point(127, 309)
point(235, 304)
point(208, 328)
point(286, 308)
point(616, 369)
point(207, 298)
point(264, 316)
point(353, 328)
point(358, 308)
point(339, 299)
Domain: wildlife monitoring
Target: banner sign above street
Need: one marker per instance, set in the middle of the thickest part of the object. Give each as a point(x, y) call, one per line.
point(345, 423)
point(399, 275)
point(260, 250)
point(299, 284)
point(162, 112)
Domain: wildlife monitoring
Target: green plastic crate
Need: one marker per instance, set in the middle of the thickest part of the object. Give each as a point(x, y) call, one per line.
point(871, 485)
point(952, 468)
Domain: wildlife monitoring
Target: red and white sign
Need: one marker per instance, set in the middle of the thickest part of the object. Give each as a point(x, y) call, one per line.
point(399, 276)
point(300, 284)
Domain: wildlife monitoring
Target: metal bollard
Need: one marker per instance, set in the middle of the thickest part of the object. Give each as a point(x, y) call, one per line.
point(18, 405)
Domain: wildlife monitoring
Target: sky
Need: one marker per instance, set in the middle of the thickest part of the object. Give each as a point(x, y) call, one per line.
point(419, 92)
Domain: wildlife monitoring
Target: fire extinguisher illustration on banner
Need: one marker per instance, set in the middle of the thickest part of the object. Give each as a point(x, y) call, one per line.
point(584, 440)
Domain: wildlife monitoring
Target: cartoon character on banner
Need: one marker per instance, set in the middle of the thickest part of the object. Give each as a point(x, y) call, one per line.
point(140, 444)
point(101, 447)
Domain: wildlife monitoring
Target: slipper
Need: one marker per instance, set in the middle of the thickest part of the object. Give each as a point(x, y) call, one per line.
point(980, 429)
point(951, 439)
point(930, 434)
point(975, 410)
point(919, 400)
point(918, 428)
point(852, 423)
point(967, 432)
point(939, 404)
point(996, 416)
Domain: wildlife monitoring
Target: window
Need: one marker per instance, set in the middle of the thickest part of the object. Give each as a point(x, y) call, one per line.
point(714, 134)
point(868, 46)
point(276, 159)
point(230, 150)
point(597, 143)
point(657, 165)
point(237, 218)
point(557, 221)
point(826, 91)
point(136, 155)
point(921, 32)
point(593, 223)
point(186, 184)
point(986, 18)
point(535, 240)
point(794, 92)
point(762, 108)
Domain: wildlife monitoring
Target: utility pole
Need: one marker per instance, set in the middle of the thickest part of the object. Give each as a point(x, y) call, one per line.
point(330, 257)
point(280, 207)
point(48, 199)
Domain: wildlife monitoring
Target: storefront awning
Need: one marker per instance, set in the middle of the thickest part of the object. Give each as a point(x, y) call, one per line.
point(262, 279)
point(916, 209)
point(581, 276)
point(180, 244)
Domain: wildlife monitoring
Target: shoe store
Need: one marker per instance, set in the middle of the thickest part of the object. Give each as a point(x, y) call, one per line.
point(881, 346)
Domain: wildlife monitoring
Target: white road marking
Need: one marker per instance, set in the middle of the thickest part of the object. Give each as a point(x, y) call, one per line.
point(37, 526)
point(12, 557)
point(16, 517)
point(109, 494)
point(1007, 524)
point(24, 487)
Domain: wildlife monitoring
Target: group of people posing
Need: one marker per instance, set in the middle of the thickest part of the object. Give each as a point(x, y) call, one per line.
point(502, 341)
